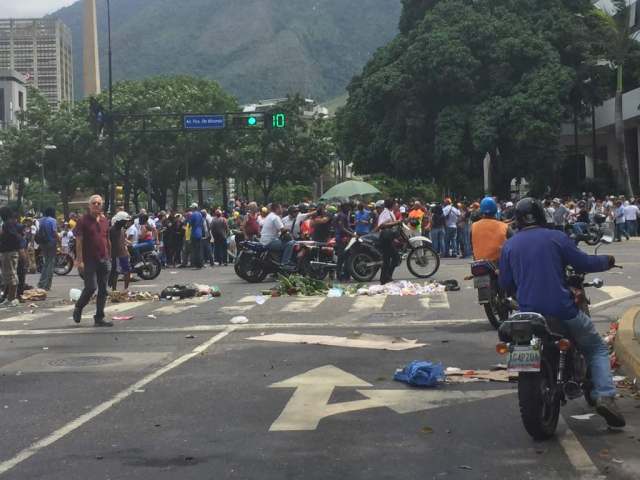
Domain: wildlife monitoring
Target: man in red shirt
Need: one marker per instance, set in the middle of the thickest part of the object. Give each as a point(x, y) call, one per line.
point(93, 250)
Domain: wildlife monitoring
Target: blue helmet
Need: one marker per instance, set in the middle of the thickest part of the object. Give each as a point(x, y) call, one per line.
point(488, 206)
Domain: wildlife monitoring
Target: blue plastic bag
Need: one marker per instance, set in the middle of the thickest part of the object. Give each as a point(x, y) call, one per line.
point(421, 374)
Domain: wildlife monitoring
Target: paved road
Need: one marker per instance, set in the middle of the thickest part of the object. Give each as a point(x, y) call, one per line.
point(188, 394)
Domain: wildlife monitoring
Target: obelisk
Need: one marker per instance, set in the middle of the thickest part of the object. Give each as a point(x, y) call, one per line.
point(90, 58)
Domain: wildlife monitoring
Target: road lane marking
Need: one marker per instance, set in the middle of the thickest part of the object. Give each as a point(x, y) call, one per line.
point(576, 454)
point(233, 309)
point(301, 305)
point(27, 317)
point(617, 291)
point(376, 342)
point(174, 309)
point(256, 326)
point(249, 299)
point(436, 300)
point(309, 403)
point(366, 302)
point(103, 407)
point(613, 301)
point(117, 308)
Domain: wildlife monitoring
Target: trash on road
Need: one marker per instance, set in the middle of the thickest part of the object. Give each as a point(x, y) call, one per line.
point(457, 375)
point(260, 299)
point(178, 292)
point(34, 295)
point(189, 336)
point(358, 340)
point(335, 292)
point(421, 374)
point(204, 290)
point(239, 320)
point(124, 317)
point(586, 416)
point(74, 294)
point(403, 288)
point(126, 296)
point(151, 315)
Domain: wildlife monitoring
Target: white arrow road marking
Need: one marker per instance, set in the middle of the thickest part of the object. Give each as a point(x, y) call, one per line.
point(309, 403)
point(379, 342)
point(616, 291)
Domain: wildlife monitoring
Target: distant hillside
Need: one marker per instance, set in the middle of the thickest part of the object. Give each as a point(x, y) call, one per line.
point(254, 48)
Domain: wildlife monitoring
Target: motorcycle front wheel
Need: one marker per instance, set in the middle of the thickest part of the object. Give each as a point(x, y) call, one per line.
point(423, 262)
point(539, 404)
point(248, 268)
point(593, 236)
point(359, 266)
point(63, 265)
point(150, 269)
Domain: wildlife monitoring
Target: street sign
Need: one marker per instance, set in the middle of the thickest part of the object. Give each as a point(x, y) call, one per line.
point(203, 122)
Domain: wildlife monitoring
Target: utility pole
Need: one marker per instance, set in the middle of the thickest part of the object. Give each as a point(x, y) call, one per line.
point(112, 153)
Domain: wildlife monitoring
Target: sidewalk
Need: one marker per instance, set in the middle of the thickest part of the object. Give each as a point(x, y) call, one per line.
point(627, 343)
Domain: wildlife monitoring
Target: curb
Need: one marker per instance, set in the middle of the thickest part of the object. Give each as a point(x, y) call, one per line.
point(627, 348)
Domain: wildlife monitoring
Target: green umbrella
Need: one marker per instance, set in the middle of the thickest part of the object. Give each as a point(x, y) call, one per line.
point(350, 188)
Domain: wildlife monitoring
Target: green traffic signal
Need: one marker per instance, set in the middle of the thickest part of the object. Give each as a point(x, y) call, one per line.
point(252, 121)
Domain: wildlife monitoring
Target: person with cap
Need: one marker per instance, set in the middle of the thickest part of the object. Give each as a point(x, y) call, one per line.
point(119, 250)
point(196, 221)
point(533, 264)
point(489, 234)
point(390, 256)
point(560, 214)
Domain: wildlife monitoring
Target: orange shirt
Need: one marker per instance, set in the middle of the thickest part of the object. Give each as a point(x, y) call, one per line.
point(487, 236)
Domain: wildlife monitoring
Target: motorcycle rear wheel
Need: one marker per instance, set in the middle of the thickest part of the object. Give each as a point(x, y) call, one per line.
point(63, 265)
point(593, 237)
point(308, 270)
point(539, 406)
point(150, 269)
point(247, 267)
point(356, 265)
point(496, 312)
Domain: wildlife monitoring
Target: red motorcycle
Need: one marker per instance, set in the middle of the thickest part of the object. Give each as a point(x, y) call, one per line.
point(316, 259)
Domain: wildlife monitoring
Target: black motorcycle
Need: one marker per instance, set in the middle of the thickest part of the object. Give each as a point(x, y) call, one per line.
point(550, 368)
point(255, 261)
point(497, 305)
point(316, 259)
point(364, 255)
point(149, 266)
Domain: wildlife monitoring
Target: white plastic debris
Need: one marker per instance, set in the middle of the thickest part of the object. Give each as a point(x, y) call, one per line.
point(74, 294)
point(403, 288)
point(335, 292)
point(586, 416)
point(260, 299)
point(239, 319)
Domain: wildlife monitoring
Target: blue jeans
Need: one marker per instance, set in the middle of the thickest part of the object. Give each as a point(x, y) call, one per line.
point(632, 227)
point(49, 260)
point(437, 237)
point(592, 346)
point(452, 244)
point(580, 228)
point(220, 251)
point(139, 248)
point(278, 245)
point(621, 229)
point(464, 240)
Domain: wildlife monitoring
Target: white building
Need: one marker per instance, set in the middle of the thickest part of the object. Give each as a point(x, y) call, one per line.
point(311, 109)
point(13, 97)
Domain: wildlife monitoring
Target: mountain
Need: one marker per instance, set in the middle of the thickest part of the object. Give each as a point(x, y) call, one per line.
point(255, 48)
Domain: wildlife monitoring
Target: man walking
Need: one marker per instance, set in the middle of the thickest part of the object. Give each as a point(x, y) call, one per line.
point(93, 250)
point(47, 238)
point(10, 246)
point(631, 212)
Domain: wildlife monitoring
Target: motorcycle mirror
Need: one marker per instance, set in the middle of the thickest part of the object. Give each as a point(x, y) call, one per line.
point(597, 283)
point(606, 239)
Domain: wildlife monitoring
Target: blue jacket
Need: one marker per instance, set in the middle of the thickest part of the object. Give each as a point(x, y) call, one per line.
point(50, 228)
point(533, 262)
point(197, 224)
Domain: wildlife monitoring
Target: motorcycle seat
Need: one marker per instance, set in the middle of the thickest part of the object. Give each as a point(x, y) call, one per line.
point(483, 267)
point(523, 325)
point(255, 246)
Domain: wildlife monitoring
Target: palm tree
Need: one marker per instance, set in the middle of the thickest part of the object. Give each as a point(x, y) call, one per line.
point(620, 43)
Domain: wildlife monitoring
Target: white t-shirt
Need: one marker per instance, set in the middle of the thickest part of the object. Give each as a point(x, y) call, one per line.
point(631, 212)
point(65, 238)
point(288, 222)
point(386, 217)
point(271, 228)
point(451, 213)
point(134, 233)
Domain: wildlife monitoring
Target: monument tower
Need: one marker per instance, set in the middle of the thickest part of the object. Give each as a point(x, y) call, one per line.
point(90, 58)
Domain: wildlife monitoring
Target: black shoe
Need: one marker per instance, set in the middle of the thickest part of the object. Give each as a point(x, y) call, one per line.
point(606, 407)
point(102, 323)
point(77, 315)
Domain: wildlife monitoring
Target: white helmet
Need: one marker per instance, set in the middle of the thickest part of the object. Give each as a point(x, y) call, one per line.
point(119, 217)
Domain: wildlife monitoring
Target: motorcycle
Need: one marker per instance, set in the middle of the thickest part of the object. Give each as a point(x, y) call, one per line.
point(62, 266)
point(596, 229)
point(497, 305)
point(364, 257)
point(255, 261)
point(316, 259)
point(550, 368)
point(149, 266)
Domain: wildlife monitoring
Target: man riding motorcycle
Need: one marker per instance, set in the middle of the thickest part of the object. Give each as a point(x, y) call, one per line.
point(533, 262)
point(489, 234)
point(272, 228)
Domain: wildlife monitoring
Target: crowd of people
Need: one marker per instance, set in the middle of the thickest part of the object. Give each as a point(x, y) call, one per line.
point(201, 236)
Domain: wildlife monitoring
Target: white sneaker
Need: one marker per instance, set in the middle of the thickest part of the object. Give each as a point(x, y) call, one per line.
point(13, 303)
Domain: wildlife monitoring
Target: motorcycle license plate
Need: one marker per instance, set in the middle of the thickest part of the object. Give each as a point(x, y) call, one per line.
point(482, 282)
point(524, 359)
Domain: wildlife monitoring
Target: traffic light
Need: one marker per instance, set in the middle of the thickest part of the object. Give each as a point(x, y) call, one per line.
point(119, 196)
point(97, 116)
point(247, 120)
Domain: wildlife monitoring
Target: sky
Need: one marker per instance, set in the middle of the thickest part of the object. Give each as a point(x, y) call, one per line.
point(30, 8)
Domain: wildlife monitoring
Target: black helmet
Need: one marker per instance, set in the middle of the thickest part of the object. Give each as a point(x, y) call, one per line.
point(529, 212)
